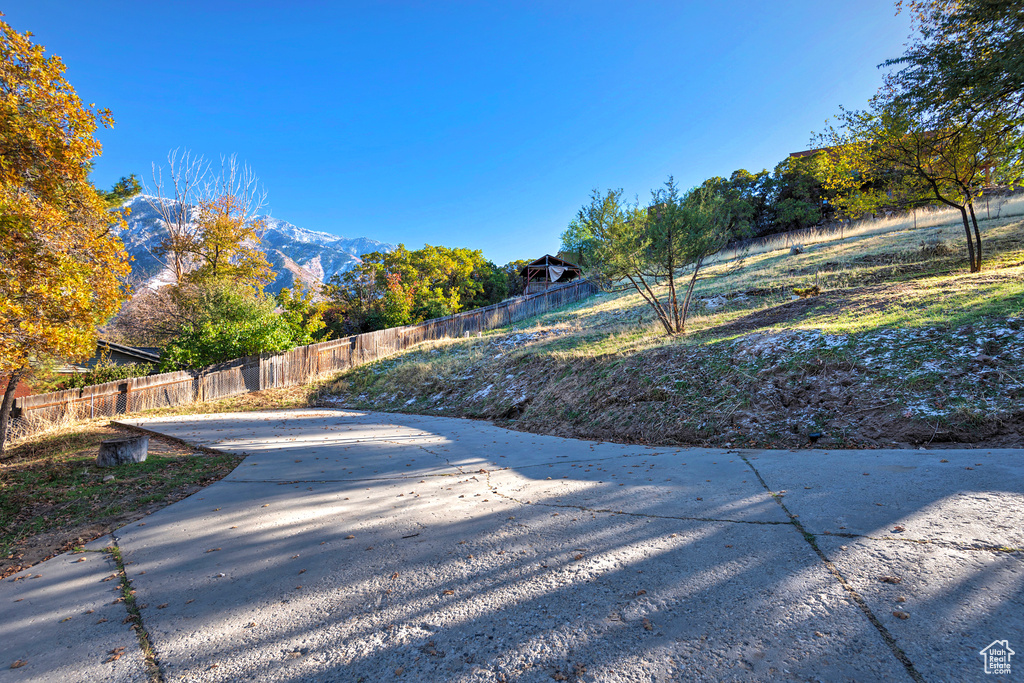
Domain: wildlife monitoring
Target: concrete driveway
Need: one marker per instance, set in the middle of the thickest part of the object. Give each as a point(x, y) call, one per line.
point(352, 546)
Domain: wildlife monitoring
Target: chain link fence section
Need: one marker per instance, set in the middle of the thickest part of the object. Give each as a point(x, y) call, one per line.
point(33, 414)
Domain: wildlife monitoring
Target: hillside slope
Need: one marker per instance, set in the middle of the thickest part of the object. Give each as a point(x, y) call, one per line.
point(903, 346)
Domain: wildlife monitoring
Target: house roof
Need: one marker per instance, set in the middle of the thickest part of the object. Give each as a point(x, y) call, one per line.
point(129, 354)
point(144, 355)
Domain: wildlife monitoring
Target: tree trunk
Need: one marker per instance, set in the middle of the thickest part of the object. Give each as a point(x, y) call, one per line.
point(655, 304)
point(672, 283)
point(977, 235)
point(8, 403)
point(689, 293)
point(673, 294)
point(970, 239)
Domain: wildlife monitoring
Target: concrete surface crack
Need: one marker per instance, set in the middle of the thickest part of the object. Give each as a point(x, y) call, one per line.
point(952, 545)
point(438, 455)
point(153, 668)
point(812, 541)
point(608, 511)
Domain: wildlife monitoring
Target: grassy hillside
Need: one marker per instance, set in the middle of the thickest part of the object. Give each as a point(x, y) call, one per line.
point(901, 345)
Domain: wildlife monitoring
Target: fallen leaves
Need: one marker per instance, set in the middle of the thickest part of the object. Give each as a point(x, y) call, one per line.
point(900, 615)
point(898, 528)
point(349, 537)
point(648, 626)
point(448, 591)
point(115, 655)
point(81, 559)
point(641, 592)
point(18, 663)
point(213, 550)
point(163, 606)
point(111, 577)
point(890, 579)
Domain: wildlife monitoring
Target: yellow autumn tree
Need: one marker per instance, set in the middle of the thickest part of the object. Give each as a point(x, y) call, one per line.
point(226, 246)
point(62, 264)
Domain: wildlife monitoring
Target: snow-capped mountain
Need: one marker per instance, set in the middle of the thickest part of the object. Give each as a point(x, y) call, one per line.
point(296, 254)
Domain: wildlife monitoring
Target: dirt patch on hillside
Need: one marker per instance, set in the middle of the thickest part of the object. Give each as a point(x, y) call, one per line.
point(777, 315)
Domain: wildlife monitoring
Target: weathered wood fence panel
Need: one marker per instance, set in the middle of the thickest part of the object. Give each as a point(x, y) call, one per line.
point(291, 368)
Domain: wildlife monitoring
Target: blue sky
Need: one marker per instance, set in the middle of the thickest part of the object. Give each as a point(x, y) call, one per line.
point(471, 124)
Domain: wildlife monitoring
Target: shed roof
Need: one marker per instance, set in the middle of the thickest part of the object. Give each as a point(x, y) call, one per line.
point(549, 260)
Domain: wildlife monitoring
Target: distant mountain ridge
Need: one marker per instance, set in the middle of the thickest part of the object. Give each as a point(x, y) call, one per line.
point(296, 254)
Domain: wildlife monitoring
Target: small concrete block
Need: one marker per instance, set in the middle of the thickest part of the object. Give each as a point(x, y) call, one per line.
point(116, 452)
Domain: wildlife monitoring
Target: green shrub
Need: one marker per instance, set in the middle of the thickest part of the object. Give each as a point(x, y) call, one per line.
point(104, 371)
point(230, 323)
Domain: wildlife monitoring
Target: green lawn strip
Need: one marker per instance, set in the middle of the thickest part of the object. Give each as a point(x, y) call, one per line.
point(54, 485)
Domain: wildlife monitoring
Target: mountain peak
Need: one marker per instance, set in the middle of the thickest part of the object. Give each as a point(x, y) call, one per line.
point(296, 254)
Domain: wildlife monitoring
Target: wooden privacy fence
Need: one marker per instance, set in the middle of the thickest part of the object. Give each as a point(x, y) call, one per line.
point(265, 371)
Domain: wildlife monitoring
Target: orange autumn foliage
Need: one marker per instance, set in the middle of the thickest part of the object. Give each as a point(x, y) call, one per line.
point(61, 265)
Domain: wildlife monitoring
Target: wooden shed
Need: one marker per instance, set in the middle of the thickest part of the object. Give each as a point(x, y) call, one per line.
point(548, 271)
